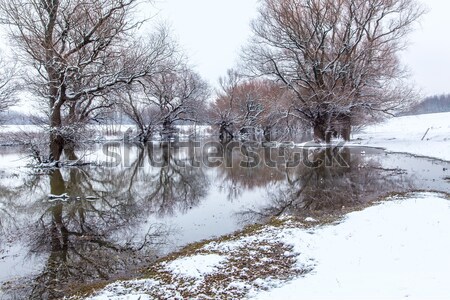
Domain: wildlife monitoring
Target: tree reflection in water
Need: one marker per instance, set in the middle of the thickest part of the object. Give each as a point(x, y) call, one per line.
point(238, 173)
point(328, 184)
point(88, 236)
point(164, 179)
point(179, 185)
point(99, 230)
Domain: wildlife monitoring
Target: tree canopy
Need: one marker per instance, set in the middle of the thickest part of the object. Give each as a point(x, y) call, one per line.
point(340, 58)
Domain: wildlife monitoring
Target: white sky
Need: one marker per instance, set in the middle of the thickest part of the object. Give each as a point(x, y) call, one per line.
point(428, 56)
point(213, 32)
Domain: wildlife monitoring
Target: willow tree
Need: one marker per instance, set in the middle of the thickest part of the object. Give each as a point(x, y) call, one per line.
point(339, 57)
point(78, 53)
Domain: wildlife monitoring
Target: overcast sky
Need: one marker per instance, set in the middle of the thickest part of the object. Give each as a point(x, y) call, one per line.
point(213, 32)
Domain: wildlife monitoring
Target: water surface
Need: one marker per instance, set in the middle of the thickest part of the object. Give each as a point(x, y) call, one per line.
point(63, 227)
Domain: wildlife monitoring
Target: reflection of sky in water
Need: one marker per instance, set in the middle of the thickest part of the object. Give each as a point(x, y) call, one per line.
point(181, 205)
point(12, 159)
point(17, 262)
point(429, 172)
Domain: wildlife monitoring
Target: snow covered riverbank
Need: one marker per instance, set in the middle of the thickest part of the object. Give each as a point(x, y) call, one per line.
point(423, 135)
point(397, 249)
point(391, 251)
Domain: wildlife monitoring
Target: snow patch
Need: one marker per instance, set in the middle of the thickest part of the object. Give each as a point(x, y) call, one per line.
point(195, 266)
point(126, 290)
point(310, 220)
point(422, 135)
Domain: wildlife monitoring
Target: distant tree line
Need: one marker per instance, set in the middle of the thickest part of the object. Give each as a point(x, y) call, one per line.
point(430, 105)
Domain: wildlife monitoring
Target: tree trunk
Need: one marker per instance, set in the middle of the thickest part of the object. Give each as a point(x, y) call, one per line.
point(144, 136)
point(320, 130)
point(148, 134)
point(56, 138)
point(328, 135)
point(323, 128)
point(267, 134)
point(167, 130)
point(346, 128)
point(224, 134)
point(56, 146)
point(69, 151)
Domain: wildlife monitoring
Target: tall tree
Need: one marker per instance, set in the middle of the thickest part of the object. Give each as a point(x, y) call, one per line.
point(339, 57)
point(78, 52)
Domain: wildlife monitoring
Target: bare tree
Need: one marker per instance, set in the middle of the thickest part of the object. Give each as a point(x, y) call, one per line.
point(176, 94)
point(78, 53)
point(339, 57)
point(223, 112)
point(250, 108)
point(274, 121)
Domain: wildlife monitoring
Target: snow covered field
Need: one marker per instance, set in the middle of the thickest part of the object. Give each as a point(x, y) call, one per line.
point(404, 134)
point(397, 249)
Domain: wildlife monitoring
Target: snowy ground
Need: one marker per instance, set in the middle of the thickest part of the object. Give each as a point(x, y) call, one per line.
point(404, 134)
point(397, 249)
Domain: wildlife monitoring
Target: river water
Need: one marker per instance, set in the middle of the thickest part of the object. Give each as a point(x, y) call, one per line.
point(60, 228)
